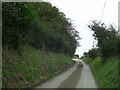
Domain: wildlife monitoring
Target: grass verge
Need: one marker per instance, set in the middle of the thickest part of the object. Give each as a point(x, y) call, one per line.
point(32, 68)
point(105, 73)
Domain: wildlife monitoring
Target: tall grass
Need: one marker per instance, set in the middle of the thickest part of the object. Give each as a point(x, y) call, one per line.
point(32, 68)
point(106, 73)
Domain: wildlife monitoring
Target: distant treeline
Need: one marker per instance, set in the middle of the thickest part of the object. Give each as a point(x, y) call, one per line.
point(108, 41)
point(40, 25)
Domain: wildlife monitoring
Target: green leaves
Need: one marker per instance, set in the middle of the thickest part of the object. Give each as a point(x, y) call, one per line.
point(17, 20)
point(40, 25)
point(106, 37)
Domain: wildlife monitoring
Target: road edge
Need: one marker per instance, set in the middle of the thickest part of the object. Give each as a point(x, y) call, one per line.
point(56, 73)
point(96, 81)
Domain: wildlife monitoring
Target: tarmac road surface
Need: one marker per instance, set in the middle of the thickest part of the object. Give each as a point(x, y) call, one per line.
point(78, 76)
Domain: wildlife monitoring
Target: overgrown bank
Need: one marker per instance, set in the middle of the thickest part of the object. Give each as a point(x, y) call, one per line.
point(105, 73)
point(50, 37)
point(32, 67)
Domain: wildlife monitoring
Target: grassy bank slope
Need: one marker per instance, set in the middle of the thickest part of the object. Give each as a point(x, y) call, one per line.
point(32, 68)
point(105, 73)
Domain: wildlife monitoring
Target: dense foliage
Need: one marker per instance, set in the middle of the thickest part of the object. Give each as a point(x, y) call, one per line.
point(107, 39)
point(93, 53)
point(40, 25)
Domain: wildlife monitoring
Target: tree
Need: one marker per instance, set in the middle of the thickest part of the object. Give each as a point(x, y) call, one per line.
point(76, 55)
point(18, 17)
point(40, 25)
point(106, 37)
point(93, 53)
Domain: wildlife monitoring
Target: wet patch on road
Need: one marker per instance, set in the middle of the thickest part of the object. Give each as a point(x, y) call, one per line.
point(73, 79)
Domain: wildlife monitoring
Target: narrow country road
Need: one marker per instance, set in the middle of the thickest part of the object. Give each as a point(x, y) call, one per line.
point(78, 76)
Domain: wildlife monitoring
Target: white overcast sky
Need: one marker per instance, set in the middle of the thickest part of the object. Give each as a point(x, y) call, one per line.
point(82, 12)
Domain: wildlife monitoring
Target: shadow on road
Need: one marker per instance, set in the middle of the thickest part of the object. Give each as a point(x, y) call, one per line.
point(73, 79)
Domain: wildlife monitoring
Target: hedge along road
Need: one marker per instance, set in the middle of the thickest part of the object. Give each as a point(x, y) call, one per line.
point(78, 76)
